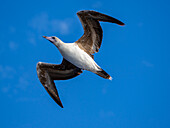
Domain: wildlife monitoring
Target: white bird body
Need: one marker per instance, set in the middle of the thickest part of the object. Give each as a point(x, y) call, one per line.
point(75, 55)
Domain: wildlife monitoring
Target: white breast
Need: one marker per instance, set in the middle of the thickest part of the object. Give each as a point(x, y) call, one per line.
point(78, 57)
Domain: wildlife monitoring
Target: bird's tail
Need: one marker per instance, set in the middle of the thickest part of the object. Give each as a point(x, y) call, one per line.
point(103, 74)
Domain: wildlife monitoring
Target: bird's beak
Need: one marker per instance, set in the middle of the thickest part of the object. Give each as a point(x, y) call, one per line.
point(44, 36)
point(48, 38)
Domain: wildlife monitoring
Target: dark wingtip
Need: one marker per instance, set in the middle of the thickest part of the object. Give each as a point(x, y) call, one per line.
point(58, 101)
point(122, 24)
point(60, 104)
point(54, 96)
point(118, 22)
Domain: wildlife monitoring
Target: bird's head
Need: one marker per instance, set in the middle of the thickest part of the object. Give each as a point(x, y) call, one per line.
point(53, 39)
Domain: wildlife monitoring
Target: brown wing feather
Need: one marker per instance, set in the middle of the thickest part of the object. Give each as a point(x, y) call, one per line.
point(92, 37)
point(47, 73)
point(93, 34)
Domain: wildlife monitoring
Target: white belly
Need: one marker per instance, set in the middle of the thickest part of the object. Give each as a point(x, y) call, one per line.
point(78, 57)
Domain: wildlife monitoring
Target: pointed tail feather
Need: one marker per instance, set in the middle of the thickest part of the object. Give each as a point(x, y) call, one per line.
point(103, 74)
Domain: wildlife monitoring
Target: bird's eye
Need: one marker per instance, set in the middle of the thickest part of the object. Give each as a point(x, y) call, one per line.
point(53, 37)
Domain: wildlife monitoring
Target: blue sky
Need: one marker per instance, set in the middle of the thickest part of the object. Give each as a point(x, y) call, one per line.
point(137, 56)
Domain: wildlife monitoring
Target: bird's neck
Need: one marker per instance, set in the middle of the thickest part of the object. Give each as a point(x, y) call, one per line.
point(59, 43)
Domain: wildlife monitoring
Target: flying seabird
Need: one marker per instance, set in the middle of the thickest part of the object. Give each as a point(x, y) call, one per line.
point(77, 56)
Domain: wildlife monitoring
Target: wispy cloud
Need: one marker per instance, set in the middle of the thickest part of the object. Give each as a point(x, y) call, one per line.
point(26, 99)
point(106, 114)
point(7, 72)
point(31, 37)
point(11, 83)
point(97, 4)
point(42, 23)
point(104, 89)
point(140, 24)
point(13, 46)
point(12, 29)
point(5, 89)
point(147, 64)
point(61, 26)
point(23, 82)
point(2, 49)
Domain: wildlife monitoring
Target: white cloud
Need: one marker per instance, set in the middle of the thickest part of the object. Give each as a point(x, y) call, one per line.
point(26, 99)
point(104, 91)
point(2, 49)
point(5, 89)
point(106, 114)
point(23, 82)
point(31, 38)
point(42, 23)
point(140, 24)
point(12, 29)
point(61, 26)
point(98, 4)
point(147, 64)
point(8, 75)
point(7, 72)
point(13, 45)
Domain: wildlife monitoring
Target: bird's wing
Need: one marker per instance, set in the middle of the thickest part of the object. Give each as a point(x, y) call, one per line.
point(47, 73)
point(92, 37)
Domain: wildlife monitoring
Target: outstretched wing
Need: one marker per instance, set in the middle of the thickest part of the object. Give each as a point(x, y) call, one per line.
point(47, 73)
point(92, 37)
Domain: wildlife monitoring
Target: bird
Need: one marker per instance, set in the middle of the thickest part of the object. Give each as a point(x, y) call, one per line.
point(77, 56)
